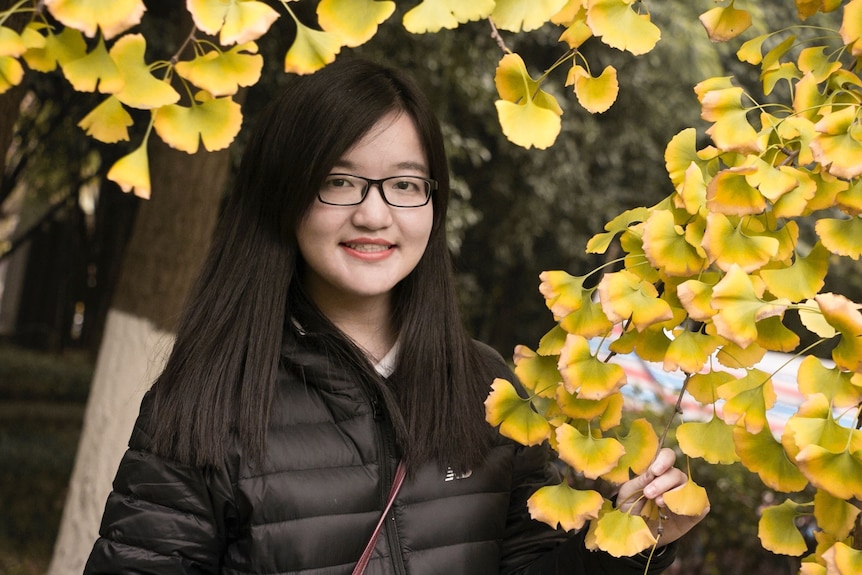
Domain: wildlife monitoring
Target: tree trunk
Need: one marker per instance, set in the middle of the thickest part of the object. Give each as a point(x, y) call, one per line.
point(171, 235)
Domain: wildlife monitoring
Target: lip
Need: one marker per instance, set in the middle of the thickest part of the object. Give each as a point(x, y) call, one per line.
point(368, 249)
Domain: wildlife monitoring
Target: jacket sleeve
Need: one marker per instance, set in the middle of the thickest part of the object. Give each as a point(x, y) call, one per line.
point(533, 548)
point(161, 517)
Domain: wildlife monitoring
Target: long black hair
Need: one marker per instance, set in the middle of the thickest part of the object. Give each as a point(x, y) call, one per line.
point(219, 378)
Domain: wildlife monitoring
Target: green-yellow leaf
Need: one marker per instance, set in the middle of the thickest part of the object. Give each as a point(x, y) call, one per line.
point(95, 69)
point(712, 441)
point(516, 418)
point(690, 499)
point(11, 73)
point(622, 534)
point(528, 116)
point(140, 88)
point(11, 44)
point(841, 559)
point(60, 48)
point(778, 532)
point(222, 73)
point(356, 21)
point(834, 515)
point(844, 316)
point(432, 15)
point(747, 399)
point(624, 295)
point(553, 341)
point(839, 474)
point(599, 243)
point(725, 22)
point(640, 446)
point(588, 321)
point(731, 130)
point(311, 50)
point(561, 505)
point(666, 246)
point(851, 30)
point(215, 121)
point(592, 456)
point(841, 236)
point(564, 293)
point(730, 192)
point(703, 386)
point(110, 16)
point(236, 21)
point(801, 280)
point(132, 172)
point(537, 373)
point(739, 306)
point(762, 454)
point(695, 296)
point(730, 244)
point(584, 374)
point(838, 144)
point(836, 384)
point(108, 122)
point(620, 27)
point(689, 351)
point(524, 15)
point(598, 94)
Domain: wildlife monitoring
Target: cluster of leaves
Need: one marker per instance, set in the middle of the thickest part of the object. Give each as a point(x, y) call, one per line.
point(709, 276)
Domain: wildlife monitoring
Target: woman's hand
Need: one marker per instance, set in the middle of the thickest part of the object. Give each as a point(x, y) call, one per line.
point(660, 478)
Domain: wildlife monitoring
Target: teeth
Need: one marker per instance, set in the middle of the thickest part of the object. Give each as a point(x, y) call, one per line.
point(368, 247)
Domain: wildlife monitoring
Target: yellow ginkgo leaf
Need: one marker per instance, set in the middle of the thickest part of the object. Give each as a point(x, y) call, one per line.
point(666, 246)
point(814, 424)
point(108, 122)
point(624, 295)
point(751, 51)
point(67, 46)
point(132, 172)
point(11, 44)
point(844, 316)
point(552, 342)
point(561, 505)
point(356, 21)
point(110, 16)
point(514, 414)
point(690, 499)
point(836, 384)
point(850, 200)
point(841, 236)
point(735, 356)
point(140, 88)
point(598, 94)
point(588, 321)
point(703, 386)
point(777, 529)
point(622, 534)
point(640, 446)
point(692, 191)
point(577, 31)
point(564, 293)
point(584, 374)
point(592, 456)
point(11, 73)
point(311, 50)
point(841, 559)
point(215, 121)
point(222, 73)
point(730, 192)
point(650, 344)
point(839, 474)
point(432, 15)
point(599, 243)
point(801, 280)
point(696, 297)
point(731, 130)
point(528, 116)
point(763, 454)
point(739, 306)
point(851, 27)
point(236, 21)
point(729, 244)
point(773, 335)
point(619, 26)
point(524, 15)
point(712, 441)
point(725, 22)
point(689, 351)
point(838, 144)
point(96, 69)
point(538, 373)
point(586, 409)
point(747, 399)
point(834, 515)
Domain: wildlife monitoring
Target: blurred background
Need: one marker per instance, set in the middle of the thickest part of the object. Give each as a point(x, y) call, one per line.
point(65, 255)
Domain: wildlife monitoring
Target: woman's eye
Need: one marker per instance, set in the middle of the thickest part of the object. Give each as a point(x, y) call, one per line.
point(338, 183)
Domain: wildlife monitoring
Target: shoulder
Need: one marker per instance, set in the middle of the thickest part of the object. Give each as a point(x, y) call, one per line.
point(493, 361)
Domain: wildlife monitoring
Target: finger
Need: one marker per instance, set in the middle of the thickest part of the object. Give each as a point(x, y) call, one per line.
point(671, 479)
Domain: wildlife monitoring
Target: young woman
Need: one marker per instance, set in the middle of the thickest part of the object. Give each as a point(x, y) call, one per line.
point(321, 346)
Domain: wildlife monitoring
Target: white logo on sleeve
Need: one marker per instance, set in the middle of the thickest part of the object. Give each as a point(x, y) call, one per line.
point(451, 475)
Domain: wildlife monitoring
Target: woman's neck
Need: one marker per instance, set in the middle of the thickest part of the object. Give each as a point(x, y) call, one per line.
point(368, 325)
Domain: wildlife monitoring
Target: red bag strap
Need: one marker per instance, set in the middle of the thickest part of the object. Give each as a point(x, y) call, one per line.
point(369, 548)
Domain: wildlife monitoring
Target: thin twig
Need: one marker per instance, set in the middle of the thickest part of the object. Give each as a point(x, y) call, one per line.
point(495, 34)
point(677, 409)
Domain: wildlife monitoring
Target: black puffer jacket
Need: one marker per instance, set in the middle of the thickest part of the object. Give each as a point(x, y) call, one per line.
point(313, 507)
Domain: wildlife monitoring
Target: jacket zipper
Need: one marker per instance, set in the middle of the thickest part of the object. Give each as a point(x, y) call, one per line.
point(387, 475)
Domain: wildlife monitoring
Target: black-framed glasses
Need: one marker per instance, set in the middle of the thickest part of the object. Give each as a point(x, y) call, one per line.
point(397, 191)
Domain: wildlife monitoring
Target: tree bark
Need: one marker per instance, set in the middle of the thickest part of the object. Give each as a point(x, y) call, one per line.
point(171, 234)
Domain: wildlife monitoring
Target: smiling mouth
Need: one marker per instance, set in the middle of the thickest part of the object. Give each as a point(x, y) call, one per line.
point(369, 248)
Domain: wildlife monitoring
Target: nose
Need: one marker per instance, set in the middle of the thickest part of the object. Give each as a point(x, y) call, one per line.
point(373, 212)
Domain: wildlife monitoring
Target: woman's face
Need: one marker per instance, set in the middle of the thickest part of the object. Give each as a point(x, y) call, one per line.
point(357, 254)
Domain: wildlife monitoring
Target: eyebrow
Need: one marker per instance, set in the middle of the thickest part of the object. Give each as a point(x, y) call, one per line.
point(408, 165)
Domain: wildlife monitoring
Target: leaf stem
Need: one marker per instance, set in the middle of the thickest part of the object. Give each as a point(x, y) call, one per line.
point(498, 38)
